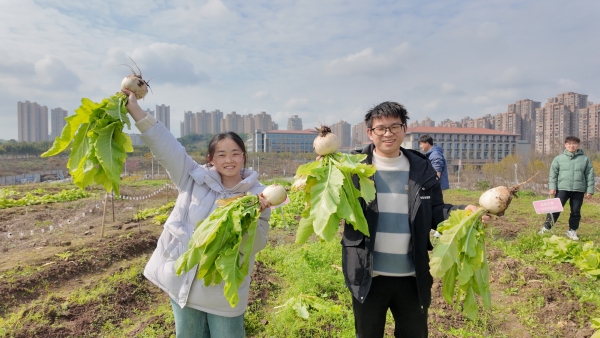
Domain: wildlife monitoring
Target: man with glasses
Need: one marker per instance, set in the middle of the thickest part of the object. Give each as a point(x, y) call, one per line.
point(571, 178)
point(390, 268)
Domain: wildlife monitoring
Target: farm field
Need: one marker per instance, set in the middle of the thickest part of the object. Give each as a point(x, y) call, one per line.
point(60, 278)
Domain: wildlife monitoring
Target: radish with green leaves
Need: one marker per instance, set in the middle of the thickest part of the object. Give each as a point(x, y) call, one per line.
point(330, 194)
point(459, 258)
point(221, 245)
point(98, 143)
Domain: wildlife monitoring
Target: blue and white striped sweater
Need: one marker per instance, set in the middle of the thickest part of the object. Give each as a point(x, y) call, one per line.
point(392, 254)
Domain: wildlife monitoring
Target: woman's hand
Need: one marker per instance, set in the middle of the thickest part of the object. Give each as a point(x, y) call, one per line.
point(264, 204)
point(133, 107)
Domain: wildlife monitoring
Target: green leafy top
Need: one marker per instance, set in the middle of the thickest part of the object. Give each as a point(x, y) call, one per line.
point(460, 258)
point(218, 246)
point(98, 143)
point(331, 196)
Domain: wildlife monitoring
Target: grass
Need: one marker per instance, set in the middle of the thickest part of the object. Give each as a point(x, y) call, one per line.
point(309, 280)
point(532, 295)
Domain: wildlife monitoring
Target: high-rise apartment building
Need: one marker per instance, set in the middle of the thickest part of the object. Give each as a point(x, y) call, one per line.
point(263, 122)
point(589, 131)
point(427, 122)
point(163, 114)
point(527, 110)
point(553, 124)
point(561, 117)
point(450, 124)
point(32, 122)
point(249, 124)
point(294, 123)
point(233, 122)
point(57, 122)
point(343, 130)
point(212, 123)
point(508, 122)
point(359, 134)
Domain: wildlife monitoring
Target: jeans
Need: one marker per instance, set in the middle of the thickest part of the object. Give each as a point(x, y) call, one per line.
point(575, 203)
point(199, 324)
point(400, 295)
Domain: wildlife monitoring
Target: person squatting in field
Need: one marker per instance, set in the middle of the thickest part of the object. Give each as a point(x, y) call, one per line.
point(390, 268)
point(571, 178)
point(200, 311)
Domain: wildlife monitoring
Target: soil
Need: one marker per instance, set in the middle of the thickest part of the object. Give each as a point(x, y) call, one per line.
point(52, 264)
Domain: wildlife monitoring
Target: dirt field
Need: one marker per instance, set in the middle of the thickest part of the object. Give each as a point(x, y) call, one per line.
point(41, 273)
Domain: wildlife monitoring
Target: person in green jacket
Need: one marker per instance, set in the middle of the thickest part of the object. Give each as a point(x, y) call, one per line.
point(571, 178)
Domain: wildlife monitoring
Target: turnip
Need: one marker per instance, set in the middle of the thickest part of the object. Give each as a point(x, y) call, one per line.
point(459, 258)
point(330, 192)
point(135, 83)
point(497, 199)
point(275, 194)
point(327, 142)
point(221, 245)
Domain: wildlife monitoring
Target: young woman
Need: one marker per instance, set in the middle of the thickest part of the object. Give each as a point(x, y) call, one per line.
point(200, 311)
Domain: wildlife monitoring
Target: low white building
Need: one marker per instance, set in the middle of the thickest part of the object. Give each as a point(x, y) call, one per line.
point(467, 145)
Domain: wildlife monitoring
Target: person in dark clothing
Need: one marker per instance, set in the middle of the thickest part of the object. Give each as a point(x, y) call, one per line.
point(435, 154)
point(390, 268)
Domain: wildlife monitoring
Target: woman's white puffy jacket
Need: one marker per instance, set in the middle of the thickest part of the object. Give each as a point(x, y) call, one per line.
point(199, 187)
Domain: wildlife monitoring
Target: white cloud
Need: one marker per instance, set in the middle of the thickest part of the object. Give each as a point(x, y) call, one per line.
point(296, 103)
point(333, 60)
point(451, 89)
point(51, 72)
point(367, 62)
point(510, 76)
point(261, 94)
point(568, 84)
point(431, 106)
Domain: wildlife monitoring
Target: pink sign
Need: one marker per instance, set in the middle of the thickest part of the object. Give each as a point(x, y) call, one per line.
point(548, 206)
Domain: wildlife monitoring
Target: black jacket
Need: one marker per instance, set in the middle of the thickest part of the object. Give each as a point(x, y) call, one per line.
point(426, 210)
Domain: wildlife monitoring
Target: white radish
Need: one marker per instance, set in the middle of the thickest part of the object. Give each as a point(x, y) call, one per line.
point(327, 142)
point(135, 83)
point(275, 194)
point(497, 199)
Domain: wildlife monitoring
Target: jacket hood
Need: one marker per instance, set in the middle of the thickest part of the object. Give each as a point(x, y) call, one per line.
point(211, 177)
point(435, 148)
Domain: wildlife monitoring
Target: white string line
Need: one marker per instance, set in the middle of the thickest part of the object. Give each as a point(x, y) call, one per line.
point(75, 217)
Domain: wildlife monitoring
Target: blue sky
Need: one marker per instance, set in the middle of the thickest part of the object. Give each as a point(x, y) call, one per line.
point(322, 60)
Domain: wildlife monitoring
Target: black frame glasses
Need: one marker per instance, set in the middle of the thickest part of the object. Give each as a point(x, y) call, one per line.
point(380, 130)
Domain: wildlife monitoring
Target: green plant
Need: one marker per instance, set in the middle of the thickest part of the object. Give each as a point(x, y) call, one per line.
point(483, 185)
point(331, 195)
point(98, 143)
point(459, 259)
point(216, 245)
point(64, 255)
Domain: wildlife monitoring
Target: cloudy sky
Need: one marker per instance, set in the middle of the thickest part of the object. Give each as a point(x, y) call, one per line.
point(325, 60)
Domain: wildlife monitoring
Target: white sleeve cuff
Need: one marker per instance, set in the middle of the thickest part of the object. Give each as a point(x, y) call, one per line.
point(146, 123)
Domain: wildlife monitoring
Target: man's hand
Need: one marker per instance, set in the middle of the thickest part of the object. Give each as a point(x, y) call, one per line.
point(484, 218)
point(552, 192)
point(588, 195)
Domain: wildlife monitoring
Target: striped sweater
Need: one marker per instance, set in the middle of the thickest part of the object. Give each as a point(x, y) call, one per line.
point(392, 255)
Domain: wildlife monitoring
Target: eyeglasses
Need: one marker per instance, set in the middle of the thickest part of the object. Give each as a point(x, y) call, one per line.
point(394, 129)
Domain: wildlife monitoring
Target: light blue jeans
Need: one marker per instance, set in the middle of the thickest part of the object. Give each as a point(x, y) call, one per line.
point(199, 324)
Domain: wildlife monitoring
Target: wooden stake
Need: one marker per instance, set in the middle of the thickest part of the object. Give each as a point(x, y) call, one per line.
point(104, 215)
point(112, 198)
